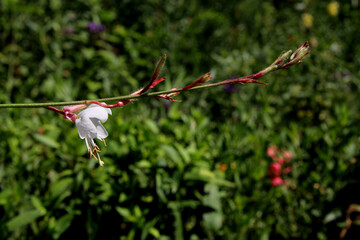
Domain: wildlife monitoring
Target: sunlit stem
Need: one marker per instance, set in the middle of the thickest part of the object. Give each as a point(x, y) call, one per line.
point(280, 63)
point(111, 99)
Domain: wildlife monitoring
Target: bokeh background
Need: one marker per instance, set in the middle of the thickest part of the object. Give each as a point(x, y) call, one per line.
point(199, 169)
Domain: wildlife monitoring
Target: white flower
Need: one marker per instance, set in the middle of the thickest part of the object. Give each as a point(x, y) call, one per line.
point(89, 127)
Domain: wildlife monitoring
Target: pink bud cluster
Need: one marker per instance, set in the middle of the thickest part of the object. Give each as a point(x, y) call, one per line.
point(278, 169)
point(68, 112)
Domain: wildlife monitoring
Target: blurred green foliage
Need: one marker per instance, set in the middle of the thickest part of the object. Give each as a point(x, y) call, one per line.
point(190, 170)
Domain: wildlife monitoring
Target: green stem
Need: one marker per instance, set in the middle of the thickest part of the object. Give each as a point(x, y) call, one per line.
point(111, 99)
point(281, 62)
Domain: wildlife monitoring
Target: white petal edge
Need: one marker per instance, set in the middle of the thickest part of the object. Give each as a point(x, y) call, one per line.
point(100, 130)
point(95, 112)
point(86, 128)
point(95, 105)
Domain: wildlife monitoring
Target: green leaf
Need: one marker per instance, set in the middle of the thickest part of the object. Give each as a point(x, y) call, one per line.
point(152, 126)
point(155, 232)
point(23, 218)
point(60, 186)
point(213, 197)
point(5, 195)
point(159, 189)
point(110, 57)
point(143, 164)
point(62, 224)
point(88, 53)
point(213, 220)
point(126, 214)
point(178, 224)
point(174, 156)
point(184, 153)
point(206, 175)
point(37, 204)
point(331, 216)
point(149, 228)
point(46, 140)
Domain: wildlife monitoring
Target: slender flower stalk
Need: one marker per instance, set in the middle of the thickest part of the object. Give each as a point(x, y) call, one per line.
point(286, 59)
point(88, 121)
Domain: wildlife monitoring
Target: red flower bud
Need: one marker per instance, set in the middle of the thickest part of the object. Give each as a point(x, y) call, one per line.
point(271, 151)
point(287, 155)
point(275, 169)
point(277, 181)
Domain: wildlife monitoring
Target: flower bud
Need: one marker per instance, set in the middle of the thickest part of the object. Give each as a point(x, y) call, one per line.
point(277, 181)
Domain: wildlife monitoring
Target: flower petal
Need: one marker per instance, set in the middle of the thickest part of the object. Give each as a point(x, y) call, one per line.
point(100, 130)
point(108, 110)
point(86, 128)
point(95, 111)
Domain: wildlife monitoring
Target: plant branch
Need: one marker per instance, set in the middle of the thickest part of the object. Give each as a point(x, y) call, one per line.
point(282, 62)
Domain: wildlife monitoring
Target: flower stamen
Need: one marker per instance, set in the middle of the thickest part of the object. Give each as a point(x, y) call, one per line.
point(96, 150)
point(89, 127)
